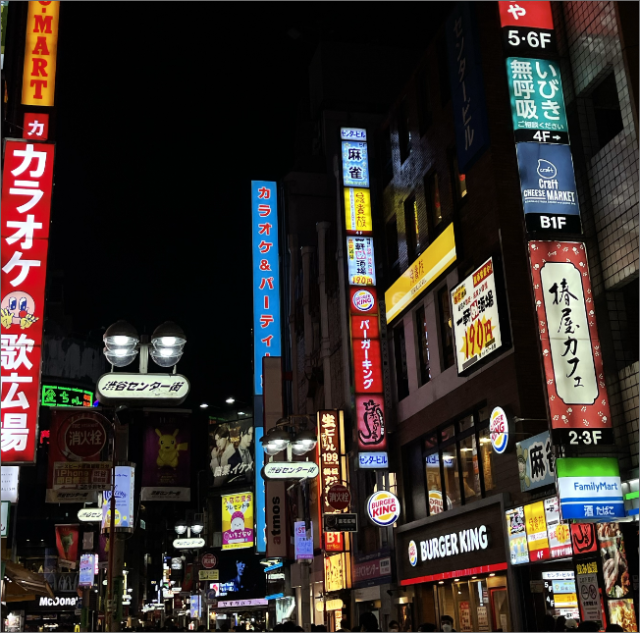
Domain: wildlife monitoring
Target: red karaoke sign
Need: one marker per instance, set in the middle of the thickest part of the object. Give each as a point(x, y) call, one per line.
point(26, 203)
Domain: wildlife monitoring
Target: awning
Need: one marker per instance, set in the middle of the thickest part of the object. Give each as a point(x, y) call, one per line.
point(21, 584)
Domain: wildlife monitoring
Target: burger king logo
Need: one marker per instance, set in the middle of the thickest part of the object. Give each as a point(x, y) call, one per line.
point(383, 508)
point(363, 300)
point(499, 430)
point(413, 553)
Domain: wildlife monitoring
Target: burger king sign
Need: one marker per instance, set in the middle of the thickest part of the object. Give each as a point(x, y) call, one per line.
point(383, 508)
point(499, 430)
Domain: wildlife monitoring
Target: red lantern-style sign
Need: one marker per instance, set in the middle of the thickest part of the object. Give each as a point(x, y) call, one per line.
point(339, 497)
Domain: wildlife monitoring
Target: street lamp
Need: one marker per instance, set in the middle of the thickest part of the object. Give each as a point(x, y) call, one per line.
point(283, 437)
point(122, 344)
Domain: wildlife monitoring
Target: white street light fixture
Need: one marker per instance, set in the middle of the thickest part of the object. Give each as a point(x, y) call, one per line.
point(230, 400)
point(275, 441)
point(204, 405)
point(180, 526)
point(304, 442)
point(121, 341)
point(167, 344)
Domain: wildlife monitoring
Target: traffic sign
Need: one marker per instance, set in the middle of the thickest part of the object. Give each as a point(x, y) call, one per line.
point(340, 522)
point(339, 497)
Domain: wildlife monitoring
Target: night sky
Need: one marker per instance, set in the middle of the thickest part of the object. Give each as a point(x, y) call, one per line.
point(166, 111)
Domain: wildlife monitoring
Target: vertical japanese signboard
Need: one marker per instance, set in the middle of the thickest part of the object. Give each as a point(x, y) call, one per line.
point(476, 321)
point(266, 276)
point(40, 52)
point(26, 203)
point(517, 536)
point(578, 399)
point(467, 89)
point(332, 461)
point(363, 299)
point(527, 27)
point(536, 527)
point(536, 463)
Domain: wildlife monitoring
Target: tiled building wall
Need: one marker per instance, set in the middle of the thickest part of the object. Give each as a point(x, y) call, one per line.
point(607, 179)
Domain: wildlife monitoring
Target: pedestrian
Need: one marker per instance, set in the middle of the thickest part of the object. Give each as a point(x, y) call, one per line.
point(368, 622)
point(446, 623)
point(560, 620)
point(611, 627)
point(549, 623)
point(393, 625)
point(570, 625)
point(428, 626)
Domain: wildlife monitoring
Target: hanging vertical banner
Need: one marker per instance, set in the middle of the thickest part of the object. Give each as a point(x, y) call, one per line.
point(125, 494)
point(40, 53)
point(26, 203)
point(67, 537)
point(266, 276)
point(467, 87)
point(87, 570)
point(166, 474)
point(578, 399)
point(79, 460)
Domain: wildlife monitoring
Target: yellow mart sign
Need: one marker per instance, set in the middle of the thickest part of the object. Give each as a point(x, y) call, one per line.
point(422, 272)
point(40, 52)
point(209, 574)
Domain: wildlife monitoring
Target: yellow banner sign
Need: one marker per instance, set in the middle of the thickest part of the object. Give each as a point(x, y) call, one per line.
point(536, 526)
point(563, 600)
point(422, 272)
point(40, 52)
point(357, 210)
point(237, 521)
point(209, 574)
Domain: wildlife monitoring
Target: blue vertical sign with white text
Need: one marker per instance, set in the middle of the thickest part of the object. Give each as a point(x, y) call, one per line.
point(266, 276)
point(467, 89)
point(261, 503)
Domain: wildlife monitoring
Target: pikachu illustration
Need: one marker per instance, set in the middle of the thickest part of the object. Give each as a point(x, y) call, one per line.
point(168, 450)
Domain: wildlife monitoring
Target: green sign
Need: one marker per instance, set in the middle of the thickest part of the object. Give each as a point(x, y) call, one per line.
point(537, 100)
point(56, 396)
point(587, 467)
point(5, 519)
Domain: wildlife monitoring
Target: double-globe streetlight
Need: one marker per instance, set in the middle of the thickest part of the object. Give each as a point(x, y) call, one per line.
point(123, 344)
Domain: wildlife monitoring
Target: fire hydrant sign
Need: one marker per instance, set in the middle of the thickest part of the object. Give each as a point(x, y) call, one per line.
point(476, 321)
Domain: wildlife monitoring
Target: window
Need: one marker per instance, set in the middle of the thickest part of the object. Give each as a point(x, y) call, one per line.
point(434, 208)
point(402, 377)
point(458, 466)
point(423, 346)
point(424, 102)
point(411, 227)
point(391, 230)
point(459, 180)
point(387, 158)
point(404, 131)
point(446, 332)
point(606, 110)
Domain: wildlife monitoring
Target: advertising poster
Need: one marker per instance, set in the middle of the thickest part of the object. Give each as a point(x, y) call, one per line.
point(303, 545)
point(623, 613)
point(517, 536)
point(476, 321)
point(67, 537)
point(10, 479)
point(536, 463)
point(87, 570)
point(615, 567)
point(237, 521)
point(536, 527)
point(357, 206)
point(242, 577)
point(559, 532)
point(167, 457)
point(464, 610)
point(334, 573)
point(79, 463)
point(6, 507)
point(124, 493)
point(578, 399)
point(231, 452)
point(583, 538)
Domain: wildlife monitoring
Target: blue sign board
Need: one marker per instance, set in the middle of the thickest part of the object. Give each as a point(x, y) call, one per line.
point(353, 134)
point(266, 276)
point(261, 506)
point(373, 460)
point(355, 164)
point(548, 188)
point(467, 88)
point(87, 570)
point(536, 465)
